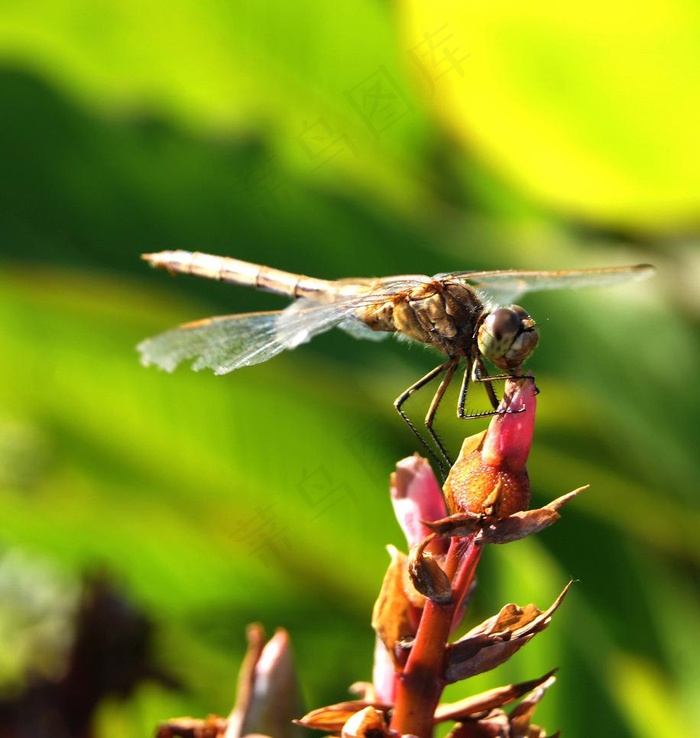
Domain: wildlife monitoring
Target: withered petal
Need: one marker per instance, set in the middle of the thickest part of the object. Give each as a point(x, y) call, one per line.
point(426, 574)
point(491, 726)
point(503, 624)
point(391, 616)
point(517, 526)
point(333, 717)
point(458, 525)
point(488, 657)
point(428, 577)
point(512, 614)
point(363, 690)
point(542, 620)
point(484, 628)
point(469, 646)
point(367, 723)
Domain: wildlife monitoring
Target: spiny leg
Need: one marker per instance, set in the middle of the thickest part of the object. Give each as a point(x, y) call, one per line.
point(476, 372)
point(479, 374)
point(450, 369)
point(463, 391)
point(401, 399)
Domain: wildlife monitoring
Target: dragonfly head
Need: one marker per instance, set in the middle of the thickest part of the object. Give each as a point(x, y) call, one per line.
point(507, 337)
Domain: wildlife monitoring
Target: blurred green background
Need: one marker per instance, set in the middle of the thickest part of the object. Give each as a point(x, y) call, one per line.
point(345, 139)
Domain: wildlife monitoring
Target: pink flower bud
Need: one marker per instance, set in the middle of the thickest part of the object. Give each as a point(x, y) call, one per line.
point(489, 477)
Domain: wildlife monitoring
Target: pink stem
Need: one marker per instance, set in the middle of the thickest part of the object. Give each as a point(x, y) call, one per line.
point(422, 681)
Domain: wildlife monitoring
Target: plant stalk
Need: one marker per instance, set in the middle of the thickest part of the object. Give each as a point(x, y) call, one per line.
point(421, 684)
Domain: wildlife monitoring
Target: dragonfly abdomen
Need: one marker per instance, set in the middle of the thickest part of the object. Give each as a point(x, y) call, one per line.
point(236, 271)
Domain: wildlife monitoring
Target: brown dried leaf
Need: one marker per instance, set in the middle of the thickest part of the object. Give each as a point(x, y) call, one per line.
point(557, 504)
point(497, 724)
point(487, 701)
point(521, 715)
point(526, 522)
point(495, 640)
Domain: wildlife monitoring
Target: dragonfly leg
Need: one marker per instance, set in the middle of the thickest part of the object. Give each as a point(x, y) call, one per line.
point(479, 374)
point(449, 366)
point(475, 371)
point(463, 391)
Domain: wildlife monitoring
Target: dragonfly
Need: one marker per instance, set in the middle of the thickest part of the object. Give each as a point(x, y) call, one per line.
point(469, 317)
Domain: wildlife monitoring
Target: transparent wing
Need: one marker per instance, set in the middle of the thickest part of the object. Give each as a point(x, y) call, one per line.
point(504, 287)
point(375, 290)
point(358, 329)
point(230, 342)
point(384, 285)
point(222, 344)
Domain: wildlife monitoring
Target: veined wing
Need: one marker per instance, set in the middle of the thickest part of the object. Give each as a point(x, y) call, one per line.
point(222, 344)
point(507, 286)
point(229, 342)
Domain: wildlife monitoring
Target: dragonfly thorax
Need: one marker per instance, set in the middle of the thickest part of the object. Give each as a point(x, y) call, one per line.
point(443, 314)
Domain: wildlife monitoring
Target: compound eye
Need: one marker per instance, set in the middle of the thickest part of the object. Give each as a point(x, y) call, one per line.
point(507, 337)
point(522, 314)
point(498, 331)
